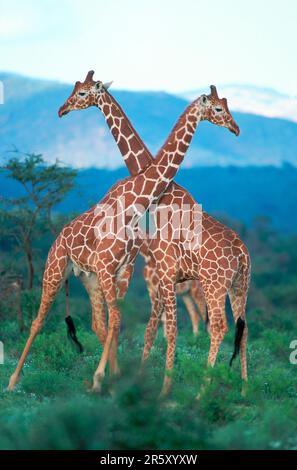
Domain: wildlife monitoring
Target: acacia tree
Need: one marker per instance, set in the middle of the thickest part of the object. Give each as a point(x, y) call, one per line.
point(42, 187)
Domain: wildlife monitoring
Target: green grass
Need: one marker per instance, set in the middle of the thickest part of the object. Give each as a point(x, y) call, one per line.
point(51, 408)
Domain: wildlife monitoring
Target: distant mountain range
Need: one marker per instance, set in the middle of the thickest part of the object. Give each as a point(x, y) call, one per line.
point(29, 121)
point(238, 193)
point(255, 100)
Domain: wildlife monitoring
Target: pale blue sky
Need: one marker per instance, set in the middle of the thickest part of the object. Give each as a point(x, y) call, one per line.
point(153, 44)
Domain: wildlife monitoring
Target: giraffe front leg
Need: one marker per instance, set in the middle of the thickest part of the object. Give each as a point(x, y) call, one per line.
point(122, 287)
point(93, 288)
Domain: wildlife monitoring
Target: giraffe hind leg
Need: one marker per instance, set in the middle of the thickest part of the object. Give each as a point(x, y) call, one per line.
point(54, 275)
point(194, 317)
point(94, 290)
point(238, 298)
point(197, 295)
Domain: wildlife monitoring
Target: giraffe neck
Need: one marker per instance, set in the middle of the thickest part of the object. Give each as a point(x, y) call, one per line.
point(135, 154)
point(171, 155)
point(163, 169)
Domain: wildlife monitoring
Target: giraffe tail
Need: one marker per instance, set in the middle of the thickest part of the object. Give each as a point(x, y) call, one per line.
point(71, 330)
point(240, 325)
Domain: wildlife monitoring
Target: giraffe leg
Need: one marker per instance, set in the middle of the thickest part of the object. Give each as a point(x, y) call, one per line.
point(124, 281)
point(54, 274)
point(217, 328)
point(169, 300)
point(152, 281)
point(217, 324)
point(93, 287)
point(108, 283)
point(48, 295)
point(189, 304)
point(238, 299)
point(199, 299)
point(122, 287)
point(152, 326)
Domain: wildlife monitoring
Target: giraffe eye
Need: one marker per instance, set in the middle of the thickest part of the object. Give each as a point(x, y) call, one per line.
point(219, 110)
point(82, 93)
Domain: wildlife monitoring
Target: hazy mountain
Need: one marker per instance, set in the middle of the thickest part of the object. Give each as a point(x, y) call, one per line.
point(29, 120)
point(255, 100)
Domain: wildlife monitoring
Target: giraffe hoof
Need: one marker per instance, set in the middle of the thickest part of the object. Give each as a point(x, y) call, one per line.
point(163, 395)
point(87, 384)
point(12, 383)
point(96, 389)
point(244, 390)
point(111, 392)
point(165, 392)
point(116, 373)
point(142, 367)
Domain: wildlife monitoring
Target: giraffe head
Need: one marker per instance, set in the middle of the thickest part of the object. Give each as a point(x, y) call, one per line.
point(215, 110)
point(84, 94)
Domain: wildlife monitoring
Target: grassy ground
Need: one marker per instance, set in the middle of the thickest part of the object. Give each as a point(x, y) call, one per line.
point(52, 409)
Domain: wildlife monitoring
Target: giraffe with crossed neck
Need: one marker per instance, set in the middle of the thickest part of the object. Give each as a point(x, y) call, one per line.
point(84, 243)
point(82, 97)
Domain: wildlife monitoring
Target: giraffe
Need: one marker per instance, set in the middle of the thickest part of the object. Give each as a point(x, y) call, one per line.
point(222, 265)
point(104, 241)
point(175, 194)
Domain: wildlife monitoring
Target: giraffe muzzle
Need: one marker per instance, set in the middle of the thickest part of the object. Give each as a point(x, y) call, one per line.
point(234, 128)
point(63, 110)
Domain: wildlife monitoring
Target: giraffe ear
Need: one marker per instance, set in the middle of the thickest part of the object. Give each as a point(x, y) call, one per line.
point(204, 99)
point(107, 85)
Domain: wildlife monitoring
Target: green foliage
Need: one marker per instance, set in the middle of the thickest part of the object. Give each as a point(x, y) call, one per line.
point(26, 218)
point(52, 408)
